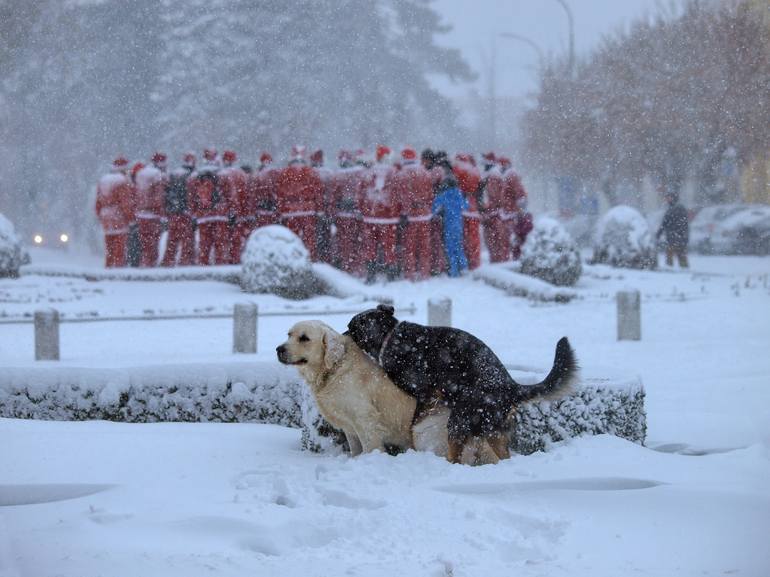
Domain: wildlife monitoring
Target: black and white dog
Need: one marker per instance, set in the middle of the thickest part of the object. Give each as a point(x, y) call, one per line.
point(443, 365)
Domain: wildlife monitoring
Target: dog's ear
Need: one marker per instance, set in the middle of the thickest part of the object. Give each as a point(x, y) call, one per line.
point(388, 309)
point(334, 349)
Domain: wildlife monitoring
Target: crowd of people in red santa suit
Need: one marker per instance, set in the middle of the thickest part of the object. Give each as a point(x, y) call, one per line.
point(365, 216)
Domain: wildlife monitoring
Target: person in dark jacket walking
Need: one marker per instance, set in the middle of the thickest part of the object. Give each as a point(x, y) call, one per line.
point(451, 203)
point(676, 227)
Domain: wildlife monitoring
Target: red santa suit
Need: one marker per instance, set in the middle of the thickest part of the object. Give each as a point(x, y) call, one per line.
point(517, 222)
point(380, 215)
point(469, 178)
point(495, 233)
point(299, 199)
point(324, 233)
point(181, 236)
point(345, 209)
point(151, 184)
point(233, 182)
point(414, 186)
point(265, 185)
point(114, 209)
point(211, 210)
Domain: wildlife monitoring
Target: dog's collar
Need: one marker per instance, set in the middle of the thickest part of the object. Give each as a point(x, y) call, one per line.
point(386, 341)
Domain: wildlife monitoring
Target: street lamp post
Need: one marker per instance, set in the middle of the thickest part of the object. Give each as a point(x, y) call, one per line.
point(528, 42)
point(571, 24)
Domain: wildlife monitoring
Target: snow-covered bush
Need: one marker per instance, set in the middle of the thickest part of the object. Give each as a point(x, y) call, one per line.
point(594, 408)
point(264, 392)
point(623, 239)
point(259, 393)
point(276, 261)
point(10, 249)
point(551, 254)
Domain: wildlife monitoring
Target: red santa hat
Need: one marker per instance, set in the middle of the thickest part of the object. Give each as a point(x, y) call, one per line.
point(317, 157)
point(382, 152)
point(210, 154)
point(409, 153)
point(121, 162)
point(229, 156)
point(505, 162)
point(189, 159)
point(265, 158)
point(159, 159)
point(489, 157)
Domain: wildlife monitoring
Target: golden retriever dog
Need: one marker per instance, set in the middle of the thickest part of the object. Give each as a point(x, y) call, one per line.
point(352, 392)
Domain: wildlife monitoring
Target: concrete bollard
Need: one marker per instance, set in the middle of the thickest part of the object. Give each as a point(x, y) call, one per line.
point(629, 316)
point(440, 312)
point(47, 335)
point(245, 328)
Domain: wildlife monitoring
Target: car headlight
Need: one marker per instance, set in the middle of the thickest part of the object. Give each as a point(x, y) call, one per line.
point(64, 237)
point(38, 239)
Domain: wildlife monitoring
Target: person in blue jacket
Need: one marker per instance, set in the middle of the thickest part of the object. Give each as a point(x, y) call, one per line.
point(450, 203)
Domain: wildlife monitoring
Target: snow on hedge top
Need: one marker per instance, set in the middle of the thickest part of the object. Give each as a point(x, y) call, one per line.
point(275, 260)
point(623, 239)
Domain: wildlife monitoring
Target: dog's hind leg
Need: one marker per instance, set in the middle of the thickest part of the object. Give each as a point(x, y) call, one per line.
point(455, 450)
point(499, 444)
point(478, 451)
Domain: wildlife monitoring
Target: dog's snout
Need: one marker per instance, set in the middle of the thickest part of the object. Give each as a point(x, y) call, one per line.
point(280, 349)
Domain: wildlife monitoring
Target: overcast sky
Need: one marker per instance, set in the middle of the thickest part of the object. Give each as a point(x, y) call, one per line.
point(477, 23)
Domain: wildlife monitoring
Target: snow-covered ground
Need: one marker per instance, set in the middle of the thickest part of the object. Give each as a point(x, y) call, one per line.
point(83, 499)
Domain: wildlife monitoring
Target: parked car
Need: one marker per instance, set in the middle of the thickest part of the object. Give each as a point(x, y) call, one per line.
point(704, 225)
point(744, 232)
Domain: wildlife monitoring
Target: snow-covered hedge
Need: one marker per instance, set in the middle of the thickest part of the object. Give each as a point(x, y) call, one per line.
point(593, 409)
point(506, 277)
point(596, 407)
point(10, 249)
point(264, 392)
point(623, 239)
point(551, 254)
point(276, 261)
point(255, 392)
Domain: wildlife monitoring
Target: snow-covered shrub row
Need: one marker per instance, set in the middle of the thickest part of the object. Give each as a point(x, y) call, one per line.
point(10, 249)
point(258, 393)
point(551, 254)
point(504, 277)
point(276, 261)
point(594, 408)
point(623, 239)
point(223, 273)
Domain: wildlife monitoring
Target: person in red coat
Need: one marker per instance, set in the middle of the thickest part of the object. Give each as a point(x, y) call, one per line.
point(151, 184)
point(495, 234)
point(324, 221)
point(114, 209)
point(345, 211)
point(380, 213)
point(517, 220)
point(299, 199)
point(413, 186)
point(211, 209)
point(180, 246)
point(264, 184)
point(232, 180)
point(469, 179)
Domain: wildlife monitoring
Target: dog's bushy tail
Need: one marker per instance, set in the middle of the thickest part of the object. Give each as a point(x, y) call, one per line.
point(559, 381)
